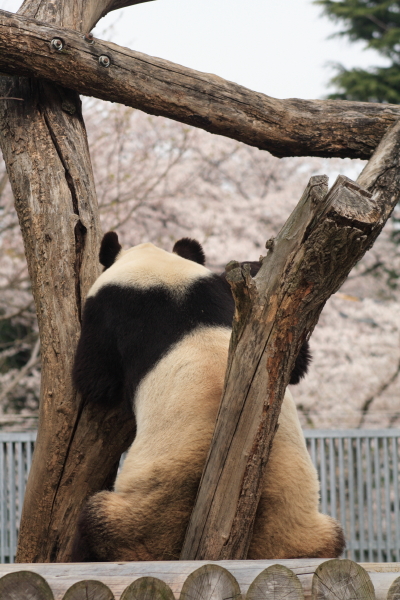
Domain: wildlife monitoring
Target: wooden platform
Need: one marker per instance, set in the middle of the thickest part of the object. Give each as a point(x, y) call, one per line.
point(207, 582)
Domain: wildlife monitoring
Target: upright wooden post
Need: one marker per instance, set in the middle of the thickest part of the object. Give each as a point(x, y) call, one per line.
point(44, 144)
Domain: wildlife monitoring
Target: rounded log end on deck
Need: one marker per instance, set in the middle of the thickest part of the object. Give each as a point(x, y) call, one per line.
point(24, 584)
point(148, 588)
point(277, 582)
point(343, 580)
point(210, 582)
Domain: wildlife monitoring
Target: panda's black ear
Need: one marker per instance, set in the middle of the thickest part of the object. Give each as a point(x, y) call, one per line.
point(190, 249)
point(109, 249)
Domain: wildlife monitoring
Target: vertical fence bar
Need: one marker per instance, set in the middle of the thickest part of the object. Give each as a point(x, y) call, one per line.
point(3, 522)
point(11, 500)
point(28, 457)
point(342, 496)
point(332, 474)
point(387, 500)
point(324, 503)
point(21, 481)
point(371, 537)
point(377, 466)
point(351, 500)
point(396, 497)
point(360, 488)
point(312, 452)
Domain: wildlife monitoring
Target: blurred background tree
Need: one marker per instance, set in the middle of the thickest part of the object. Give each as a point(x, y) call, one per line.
point(376, 22)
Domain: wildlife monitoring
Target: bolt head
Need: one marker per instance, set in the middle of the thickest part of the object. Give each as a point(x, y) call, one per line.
point(57, 44)
point(104, 60)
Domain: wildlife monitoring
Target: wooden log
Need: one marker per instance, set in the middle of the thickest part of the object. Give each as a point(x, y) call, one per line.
point(210, 582)
point(119, 576)
point(394, 590)
point(342, 580)
point(309, 260)
point(44, 145)
point(24, 585)
point(89, 590)
point(312, 255)
point(276, 582)
point(290, 127)
point(148, 588)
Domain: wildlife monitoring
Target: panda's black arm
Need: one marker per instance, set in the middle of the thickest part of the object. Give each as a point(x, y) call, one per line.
point(304, 357)
point(97, 372)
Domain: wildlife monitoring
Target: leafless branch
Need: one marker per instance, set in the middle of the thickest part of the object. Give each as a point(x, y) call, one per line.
point(32, 362)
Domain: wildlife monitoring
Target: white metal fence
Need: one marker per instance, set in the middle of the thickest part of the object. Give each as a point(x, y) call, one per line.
point(16, 451)
point(359, 474)
point(358, 470)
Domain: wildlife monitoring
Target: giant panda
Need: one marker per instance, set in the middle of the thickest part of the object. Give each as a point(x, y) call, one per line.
point(155, 330)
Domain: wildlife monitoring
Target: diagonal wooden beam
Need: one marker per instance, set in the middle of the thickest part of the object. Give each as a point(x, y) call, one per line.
point(324, 237)
point(284, 127)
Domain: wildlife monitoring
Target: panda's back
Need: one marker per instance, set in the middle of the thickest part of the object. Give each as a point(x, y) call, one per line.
point(148, 302)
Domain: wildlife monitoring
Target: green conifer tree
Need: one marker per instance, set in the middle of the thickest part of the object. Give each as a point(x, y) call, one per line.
point(377, 22)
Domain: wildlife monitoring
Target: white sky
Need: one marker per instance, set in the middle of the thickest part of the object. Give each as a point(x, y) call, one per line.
point(278, 47)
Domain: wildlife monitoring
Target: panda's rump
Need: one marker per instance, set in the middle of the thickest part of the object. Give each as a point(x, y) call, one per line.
point(176, 406)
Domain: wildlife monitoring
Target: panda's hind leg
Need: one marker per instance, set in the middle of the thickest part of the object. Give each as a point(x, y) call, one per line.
point(104, 532)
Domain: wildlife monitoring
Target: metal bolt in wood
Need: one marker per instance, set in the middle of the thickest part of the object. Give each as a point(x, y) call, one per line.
point(57, 44)
point(104, 60)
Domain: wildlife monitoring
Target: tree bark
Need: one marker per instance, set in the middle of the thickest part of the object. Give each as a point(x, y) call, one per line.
point(44, 144)
point(275, 312)
point(81, 15)
point(283, 127)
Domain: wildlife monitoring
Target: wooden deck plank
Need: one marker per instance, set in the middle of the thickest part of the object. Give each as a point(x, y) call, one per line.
point(117, 576)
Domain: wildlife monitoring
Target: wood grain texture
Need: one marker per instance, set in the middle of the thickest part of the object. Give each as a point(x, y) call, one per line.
point(24, 585)
point(148, 588)
point(275, 312)
point(210, 582)
point(45, 148)
point(342, 580)
point(290, 127)
point(276, 583)
point(89, 589)
point(81, 16)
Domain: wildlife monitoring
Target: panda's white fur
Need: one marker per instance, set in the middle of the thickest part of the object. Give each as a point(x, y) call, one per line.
point(145, 266)
point(175, 404)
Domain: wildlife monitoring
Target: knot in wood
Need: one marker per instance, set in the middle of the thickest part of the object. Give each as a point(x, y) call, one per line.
point(269, 244)
point(233, 264)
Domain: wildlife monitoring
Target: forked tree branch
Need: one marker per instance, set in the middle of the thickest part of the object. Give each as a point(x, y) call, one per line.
point(283, 127)
point(275, 312)
point(82, 15)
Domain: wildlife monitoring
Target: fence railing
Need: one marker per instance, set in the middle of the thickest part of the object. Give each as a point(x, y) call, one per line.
point(358, 471)
point(16, 451)
point(359, 475)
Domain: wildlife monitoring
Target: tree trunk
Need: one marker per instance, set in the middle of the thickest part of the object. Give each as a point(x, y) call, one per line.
point(44, 144)
point(290, 127)
point(275, 312)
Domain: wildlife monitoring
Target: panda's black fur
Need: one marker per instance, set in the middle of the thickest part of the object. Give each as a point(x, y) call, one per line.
point(156, 332)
